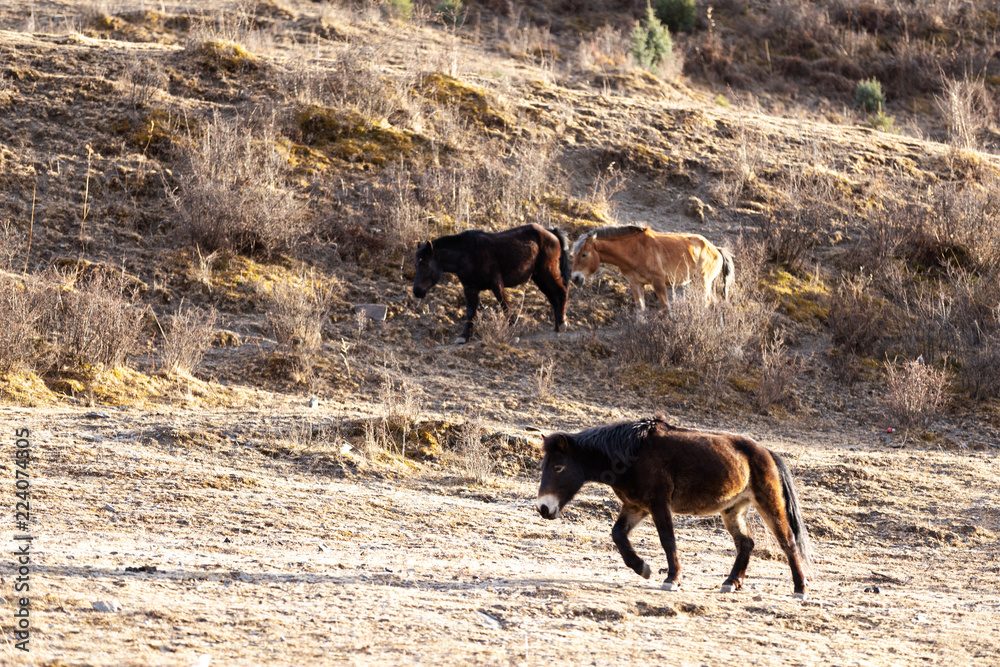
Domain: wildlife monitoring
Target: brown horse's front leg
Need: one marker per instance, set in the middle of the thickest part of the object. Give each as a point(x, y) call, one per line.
point(629, 518)
point(471, 306)
point(664, 521)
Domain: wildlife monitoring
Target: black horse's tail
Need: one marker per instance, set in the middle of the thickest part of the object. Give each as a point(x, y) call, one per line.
point(728, 272)
point(564, 266)
point(793, 511)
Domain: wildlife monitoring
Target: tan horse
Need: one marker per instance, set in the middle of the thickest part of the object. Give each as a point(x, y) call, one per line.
point(646, 257)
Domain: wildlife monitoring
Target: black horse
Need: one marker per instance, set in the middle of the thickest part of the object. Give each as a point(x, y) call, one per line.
point(659, 469)
point(493, 261)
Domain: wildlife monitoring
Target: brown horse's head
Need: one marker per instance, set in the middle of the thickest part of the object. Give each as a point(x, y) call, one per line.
point(428, 272)
point(585, 259)
point(562, 476)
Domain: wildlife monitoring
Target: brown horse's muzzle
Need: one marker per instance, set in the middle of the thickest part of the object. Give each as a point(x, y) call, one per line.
point(548, 506)
point(419, 292)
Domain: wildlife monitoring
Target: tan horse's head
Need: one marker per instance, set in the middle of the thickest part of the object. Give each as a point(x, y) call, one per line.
point(585, 259)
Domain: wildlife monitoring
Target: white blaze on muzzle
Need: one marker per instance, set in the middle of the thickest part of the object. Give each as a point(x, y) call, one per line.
point(578, 277)
point(549, 503)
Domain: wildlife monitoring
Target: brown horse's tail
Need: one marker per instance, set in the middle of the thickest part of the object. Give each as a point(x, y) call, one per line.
point(793, 511)
point(564, 266)
point(728, 272)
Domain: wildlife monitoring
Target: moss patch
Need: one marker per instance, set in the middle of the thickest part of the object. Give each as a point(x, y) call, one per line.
point(803, 299)
point(221, 55)
point(346, 135)
point(472, 101)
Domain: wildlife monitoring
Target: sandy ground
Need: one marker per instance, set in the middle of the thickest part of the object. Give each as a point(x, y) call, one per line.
point(267, 559)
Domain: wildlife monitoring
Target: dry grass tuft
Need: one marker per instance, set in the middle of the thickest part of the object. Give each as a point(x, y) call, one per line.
point(234, 195)
point(187, 337)
point(915, 393)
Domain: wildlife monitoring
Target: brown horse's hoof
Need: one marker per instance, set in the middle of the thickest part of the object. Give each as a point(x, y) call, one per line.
point(670, 586)
point(562, 328)
point(646, 572)
point(728, 588)
point(461, 340)
point(800, 596)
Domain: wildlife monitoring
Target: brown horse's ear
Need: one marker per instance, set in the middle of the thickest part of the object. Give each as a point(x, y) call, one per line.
point(561, 442)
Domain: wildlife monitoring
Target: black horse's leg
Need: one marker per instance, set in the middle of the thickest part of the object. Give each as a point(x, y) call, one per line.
point(471, 306)
point(501, 294)
point(557, 297)
point(735, 519)
point(664, 520)
point(629, 518)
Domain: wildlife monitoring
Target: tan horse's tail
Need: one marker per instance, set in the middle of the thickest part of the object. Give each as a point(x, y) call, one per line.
point(728, 272)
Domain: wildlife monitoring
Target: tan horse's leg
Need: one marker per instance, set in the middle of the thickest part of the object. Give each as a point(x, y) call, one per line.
point(662, 294)
point(637, 294)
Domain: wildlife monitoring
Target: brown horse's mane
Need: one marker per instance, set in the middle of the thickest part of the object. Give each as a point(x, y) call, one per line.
point(617, 442)
point(609, 232)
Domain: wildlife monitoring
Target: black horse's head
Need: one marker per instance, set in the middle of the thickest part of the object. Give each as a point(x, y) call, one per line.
point(562, 476)
point(428, 270)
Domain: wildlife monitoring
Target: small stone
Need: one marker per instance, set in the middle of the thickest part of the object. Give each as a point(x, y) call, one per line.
point(323, 548)
point(489, 621)
point(313, 402)
point(97, 414)
point(106, 605)
point(110, 508)
point(345, 448)
point(374, 311)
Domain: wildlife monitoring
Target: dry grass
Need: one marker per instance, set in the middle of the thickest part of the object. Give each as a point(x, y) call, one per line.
point(474, 455)
point(187, 337)
point(915, 393)
point(714, 340)
point(779, 371)
point(100, 321)
point(235, 195)
point(495, 330)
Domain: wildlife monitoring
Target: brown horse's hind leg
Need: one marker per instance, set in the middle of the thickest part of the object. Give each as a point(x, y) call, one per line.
point(770, 503)
point(665, 527)
point(735, 519)
point(629, 518)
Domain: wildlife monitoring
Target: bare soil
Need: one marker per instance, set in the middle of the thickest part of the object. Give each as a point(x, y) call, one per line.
point(273, 542)
point(263, 554)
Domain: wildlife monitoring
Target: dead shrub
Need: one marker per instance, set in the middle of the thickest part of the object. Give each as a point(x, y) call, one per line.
point(977, 367)
point(296, 315)
point(544, 380)
point(187, 337)
point(101, 322)
point(915, 393)
point(857, 317)
point(474, 455)
point(19, 323)
point(778, 371)
point(966, 107)
point(714, 340)
point(141, 80)
point(605, 50)
point(234, 195)
point(495, 329)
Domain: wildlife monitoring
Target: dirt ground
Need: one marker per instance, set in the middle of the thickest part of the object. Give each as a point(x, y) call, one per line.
point(273, 543)
point(271, 559)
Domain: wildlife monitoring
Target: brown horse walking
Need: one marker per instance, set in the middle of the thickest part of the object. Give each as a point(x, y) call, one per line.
point(646, 257)
point(658, 469)
point(493, 261)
